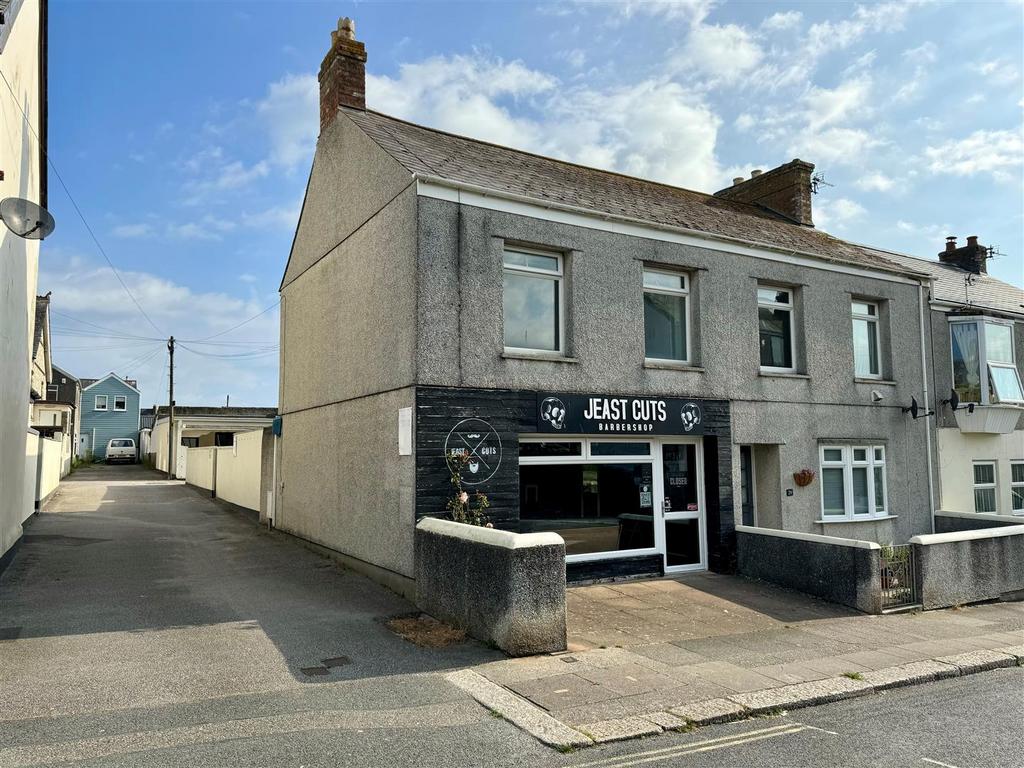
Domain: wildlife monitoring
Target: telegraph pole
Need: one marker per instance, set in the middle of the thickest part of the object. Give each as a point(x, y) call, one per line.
point(170, 414)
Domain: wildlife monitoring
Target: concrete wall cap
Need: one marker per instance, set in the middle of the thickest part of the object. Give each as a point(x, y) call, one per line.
point(815, 537)
point(985, 533)
point(491, 536)
point(1007, 519)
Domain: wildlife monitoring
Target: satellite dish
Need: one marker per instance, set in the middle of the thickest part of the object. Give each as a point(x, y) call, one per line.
point(26, 219)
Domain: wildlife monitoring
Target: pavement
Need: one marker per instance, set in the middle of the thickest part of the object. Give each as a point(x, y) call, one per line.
point(143, 623)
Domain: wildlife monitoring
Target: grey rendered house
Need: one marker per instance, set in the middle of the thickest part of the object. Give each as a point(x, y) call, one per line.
point(976, 347)
point(635, 366)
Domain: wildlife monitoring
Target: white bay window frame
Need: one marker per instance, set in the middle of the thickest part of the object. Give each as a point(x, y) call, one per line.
point(988, 389)
point(873, 462)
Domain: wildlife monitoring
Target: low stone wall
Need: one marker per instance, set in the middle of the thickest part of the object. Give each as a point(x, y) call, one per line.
point(969, 567)
point(503, 588)
point(844, 571)
point(952, 522)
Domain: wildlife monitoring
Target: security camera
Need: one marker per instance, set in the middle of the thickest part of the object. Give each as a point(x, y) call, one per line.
point(876, 396)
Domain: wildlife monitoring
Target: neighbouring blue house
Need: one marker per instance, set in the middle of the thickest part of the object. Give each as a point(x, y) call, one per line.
point(110, 409)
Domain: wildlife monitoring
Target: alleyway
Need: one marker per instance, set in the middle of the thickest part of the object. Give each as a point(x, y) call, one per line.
point(139, 615)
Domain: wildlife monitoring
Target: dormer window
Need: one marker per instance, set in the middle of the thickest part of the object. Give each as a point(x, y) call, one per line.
point(984, 369)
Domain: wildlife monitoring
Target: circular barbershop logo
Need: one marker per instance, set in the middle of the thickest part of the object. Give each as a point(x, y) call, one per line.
point(477, 440)
point(691, 416)
point(552, 410)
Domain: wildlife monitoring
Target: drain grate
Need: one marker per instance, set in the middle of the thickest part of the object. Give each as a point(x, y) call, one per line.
point(314, 671)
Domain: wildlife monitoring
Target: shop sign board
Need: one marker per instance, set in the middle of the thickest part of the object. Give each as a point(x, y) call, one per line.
point(575, 414)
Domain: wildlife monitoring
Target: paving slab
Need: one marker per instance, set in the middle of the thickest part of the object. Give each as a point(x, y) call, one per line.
point(731, 676)
point(1017, 651)
point(666, 721)
point(620, 730)
point(628, 679)
point(667, 653)
point(560, 691)
point(792, 673)
point(710, 711)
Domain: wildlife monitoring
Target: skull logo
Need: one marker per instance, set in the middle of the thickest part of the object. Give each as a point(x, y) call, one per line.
point(690, 416)
point(552, 410)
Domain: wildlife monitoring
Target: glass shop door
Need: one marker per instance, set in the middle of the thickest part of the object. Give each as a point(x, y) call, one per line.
point(682, 480)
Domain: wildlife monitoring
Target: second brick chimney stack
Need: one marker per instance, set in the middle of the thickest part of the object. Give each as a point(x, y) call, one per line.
point(972, 257)
point(785, 190)
point(342, 73)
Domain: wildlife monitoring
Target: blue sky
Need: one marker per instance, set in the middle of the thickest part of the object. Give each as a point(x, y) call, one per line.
point(185, 132)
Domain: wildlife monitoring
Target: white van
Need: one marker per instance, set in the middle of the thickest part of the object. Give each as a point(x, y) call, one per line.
point(121, 449)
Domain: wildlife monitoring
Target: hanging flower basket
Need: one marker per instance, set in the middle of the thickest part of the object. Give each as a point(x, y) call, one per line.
point(804, 477)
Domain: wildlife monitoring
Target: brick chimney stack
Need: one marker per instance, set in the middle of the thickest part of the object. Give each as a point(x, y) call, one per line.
point(342, 73)
point(785, 190)
point(972, 257)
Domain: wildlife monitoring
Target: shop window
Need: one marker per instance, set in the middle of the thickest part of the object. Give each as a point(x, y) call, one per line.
point(533, 297)
point(853, 482)
point(865, 340)
point(775, 328)
point(985, 487)
point(984, 369)
point(596, 494)
point(666, 316)
point(1017, 487)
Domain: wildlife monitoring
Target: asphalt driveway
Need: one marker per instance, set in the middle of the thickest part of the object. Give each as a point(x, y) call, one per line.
point(140, 615)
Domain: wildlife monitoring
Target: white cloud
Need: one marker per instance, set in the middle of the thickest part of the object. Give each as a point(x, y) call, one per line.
point(291, 115)
point(86, 290)
point(826, 107)
point(127, 231)
point(998, 71)
point(999, 154)
point(837, 213)
point(653, 128)
point(693, 11)
point(846, 146)
point(782, 20)
point(875, 182)
point(723, 53)
point(745, 122)
point(575, 58)
point(828, 36)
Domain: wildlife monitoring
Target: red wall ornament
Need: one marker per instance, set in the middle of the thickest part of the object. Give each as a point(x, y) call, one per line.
point(804, 477)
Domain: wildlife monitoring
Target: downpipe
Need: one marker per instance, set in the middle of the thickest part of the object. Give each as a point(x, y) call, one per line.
point(927, 420)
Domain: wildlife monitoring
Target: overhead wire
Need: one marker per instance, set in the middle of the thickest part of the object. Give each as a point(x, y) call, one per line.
point(235, 327)
point(74, 204)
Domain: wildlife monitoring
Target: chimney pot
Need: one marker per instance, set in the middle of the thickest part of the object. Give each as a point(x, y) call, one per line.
point(785, 190)
point(347, 28)
point(737, 180)
point(951, 243)
point(755, 173)
point(972, 241)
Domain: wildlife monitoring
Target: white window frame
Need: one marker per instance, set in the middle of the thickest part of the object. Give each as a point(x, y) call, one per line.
point(980, 321)
point(96, 403)
point(872, 321)
point(847, 464)
point(685, 293)
point(993, 486)
point(1016, 486)
point(124, 402)
point(790, 309)
point(558, 277)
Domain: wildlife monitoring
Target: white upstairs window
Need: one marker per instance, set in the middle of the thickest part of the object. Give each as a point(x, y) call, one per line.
point(865, 340)
point(984, 368)
point(100, 403)
point(533, 301)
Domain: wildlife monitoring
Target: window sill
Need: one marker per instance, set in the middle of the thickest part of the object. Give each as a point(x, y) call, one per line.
point(547, 357)
point(879, 382)
point(843, 520)
point(670, 365)
point(783, 374)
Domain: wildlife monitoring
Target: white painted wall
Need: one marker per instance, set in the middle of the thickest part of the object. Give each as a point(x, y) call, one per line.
point(19, 266)
point(958, 451)
point(201, 467)
point(50, 462)
point(30, 470)
point(239, 470)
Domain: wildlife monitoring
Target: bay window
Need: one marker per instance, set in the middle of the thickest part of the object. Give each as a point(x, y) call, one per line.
point(666, 316)
point(984, 369)
point(853, 482)
point(532, 303)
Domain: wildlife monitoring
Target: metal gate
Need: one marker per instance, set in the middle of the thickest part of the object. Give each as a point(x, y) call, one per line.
point(899, 578)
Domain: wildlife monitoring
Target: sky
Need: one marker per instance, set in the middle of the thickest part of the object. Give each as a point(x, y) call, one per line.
point(185, 131)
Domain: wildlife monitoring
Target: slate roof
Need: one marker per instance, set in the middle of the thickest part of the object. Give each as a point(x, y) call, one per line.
point(985, 291)
point(458, 159)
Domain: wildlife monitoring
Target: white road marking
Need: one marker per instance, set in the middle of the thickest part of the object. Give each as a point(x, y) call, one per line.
point(623, 761)
point(815, 728)
point(936, 762)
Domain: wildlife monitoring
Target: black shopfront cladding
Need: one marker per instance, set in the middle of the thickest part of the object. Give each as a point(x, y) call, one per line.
point(487, 425)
